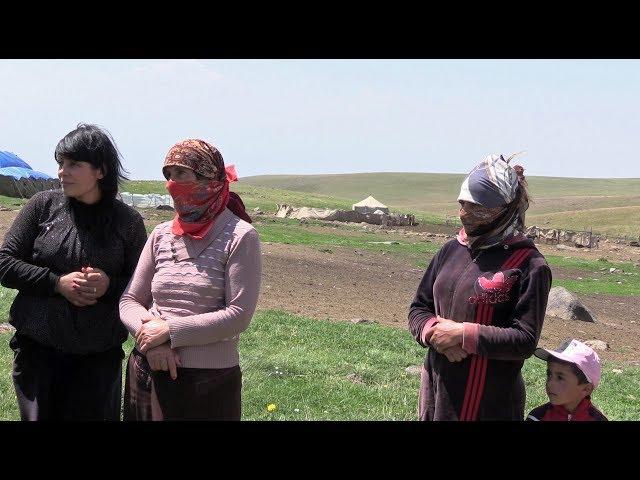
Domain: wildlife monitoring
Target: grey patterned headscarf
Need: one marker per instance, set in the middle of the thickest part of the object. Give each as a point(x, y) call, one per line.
point(494, 184)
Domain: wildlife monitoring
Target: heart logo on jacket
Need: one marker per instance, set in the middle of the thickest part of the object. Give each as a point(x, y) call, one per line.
point(495, 288)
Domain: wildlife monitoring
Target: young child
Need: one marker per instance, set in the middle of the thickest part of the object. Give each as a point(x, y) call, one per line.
point(573, 372)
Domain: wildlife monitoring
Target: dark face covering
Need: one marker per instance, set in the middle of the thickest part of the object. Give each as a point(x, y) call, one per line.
point(477, 219)
point(492, 203)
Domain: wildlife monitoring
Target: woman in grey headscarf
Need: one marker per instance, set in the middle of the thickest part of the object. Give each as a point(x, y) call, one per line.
point(481, 303)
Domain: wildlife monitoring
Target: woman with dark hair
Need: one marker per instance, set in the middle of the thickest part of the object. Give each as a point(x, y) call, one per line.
point(70, 254)
point(193, 292)
point(481, 303)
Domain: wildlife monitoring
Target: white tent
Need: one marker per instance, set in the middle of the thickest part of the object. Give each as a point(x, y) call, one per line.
point(148, 200)
point(370, 205)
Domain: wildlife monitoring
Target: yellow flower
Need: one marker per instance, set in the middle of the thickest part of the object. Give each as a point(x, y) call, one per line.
point(272, 407)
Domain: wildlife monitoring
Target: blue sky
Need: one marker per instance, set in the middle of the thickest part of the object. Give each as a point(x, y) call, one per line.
point(575, 118)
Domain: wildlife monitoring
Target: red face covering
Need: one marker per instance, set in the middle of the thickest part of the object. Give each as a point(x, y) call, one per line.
point(197, 205)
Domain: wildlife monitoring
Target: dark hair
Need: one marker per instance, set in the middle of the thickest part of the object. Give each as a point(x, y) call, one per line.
point(582, 378)
point(92, 144)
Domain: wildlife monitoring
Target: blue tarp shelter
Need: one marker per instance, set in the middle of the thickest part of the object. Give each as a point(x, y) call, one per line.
point(18, 179)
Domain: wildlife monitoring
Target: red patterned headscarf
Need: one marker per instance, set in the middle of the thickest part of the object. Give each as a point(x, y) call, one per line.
point(199, 203)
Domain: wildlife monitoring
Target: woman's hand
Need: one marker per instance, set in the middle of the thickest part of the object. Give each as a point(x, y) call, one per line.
point(93, 283)
point(153, 332)
point(455, 354)
point(445, 334)
point(164, 358)
point(67, 288)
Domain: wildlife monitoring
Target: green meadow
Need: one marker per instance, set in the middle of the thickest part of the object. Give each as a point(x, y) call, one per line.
point(295, 368)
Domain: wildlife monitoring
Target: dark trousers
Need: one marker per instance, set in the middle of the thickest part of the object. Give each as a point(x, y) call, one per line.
point(51, 385)
point(197, 393)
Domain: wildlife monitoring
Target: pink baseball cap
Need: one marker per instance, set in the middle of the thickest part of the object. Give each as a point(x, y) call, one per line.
point(581, 355)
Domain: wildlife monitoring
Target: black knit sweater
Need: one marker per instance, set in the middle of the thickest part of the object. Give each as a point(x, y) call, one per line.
point(54, 235)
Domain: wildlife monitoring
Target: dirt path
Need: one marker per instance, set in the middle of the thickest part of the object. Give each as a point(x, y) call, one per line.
point(344, 285)
point(341, 285)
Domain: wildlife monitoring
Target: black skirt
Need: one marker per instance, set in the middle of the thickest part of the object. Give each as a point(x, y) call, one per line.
point(53, 385)
point(196, 394)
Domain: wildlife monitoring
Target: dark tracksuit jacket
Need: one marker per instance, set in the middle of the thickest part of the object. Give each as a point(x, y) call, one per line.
point(502, 293)
point(584, 412)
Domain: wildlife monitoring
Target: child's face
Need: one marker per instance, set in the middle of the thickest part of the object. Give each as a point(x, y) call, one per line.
point(563, 388)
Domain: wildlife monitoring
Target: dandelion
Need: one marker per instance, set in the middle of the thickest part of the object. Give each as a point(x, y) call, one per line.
point(297, 410)
point(272, 407)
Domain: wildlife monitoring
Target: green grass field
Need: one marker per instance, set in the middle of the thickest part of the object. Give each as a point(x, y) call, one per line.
point(11, 202)
point(317, 370)
point(415, 251)
point(594, 274)
point(606, 206)
point(6, 298)
point(612, 221)
point(403, 188)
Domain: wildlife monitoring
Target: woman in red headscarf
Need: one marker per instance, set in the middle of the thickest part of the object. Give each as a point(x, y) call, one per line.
point(193, 292)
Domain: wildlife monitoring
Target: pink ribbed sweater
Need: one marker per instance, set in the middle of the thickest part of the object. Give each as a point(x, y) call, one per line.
point(206, 289)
